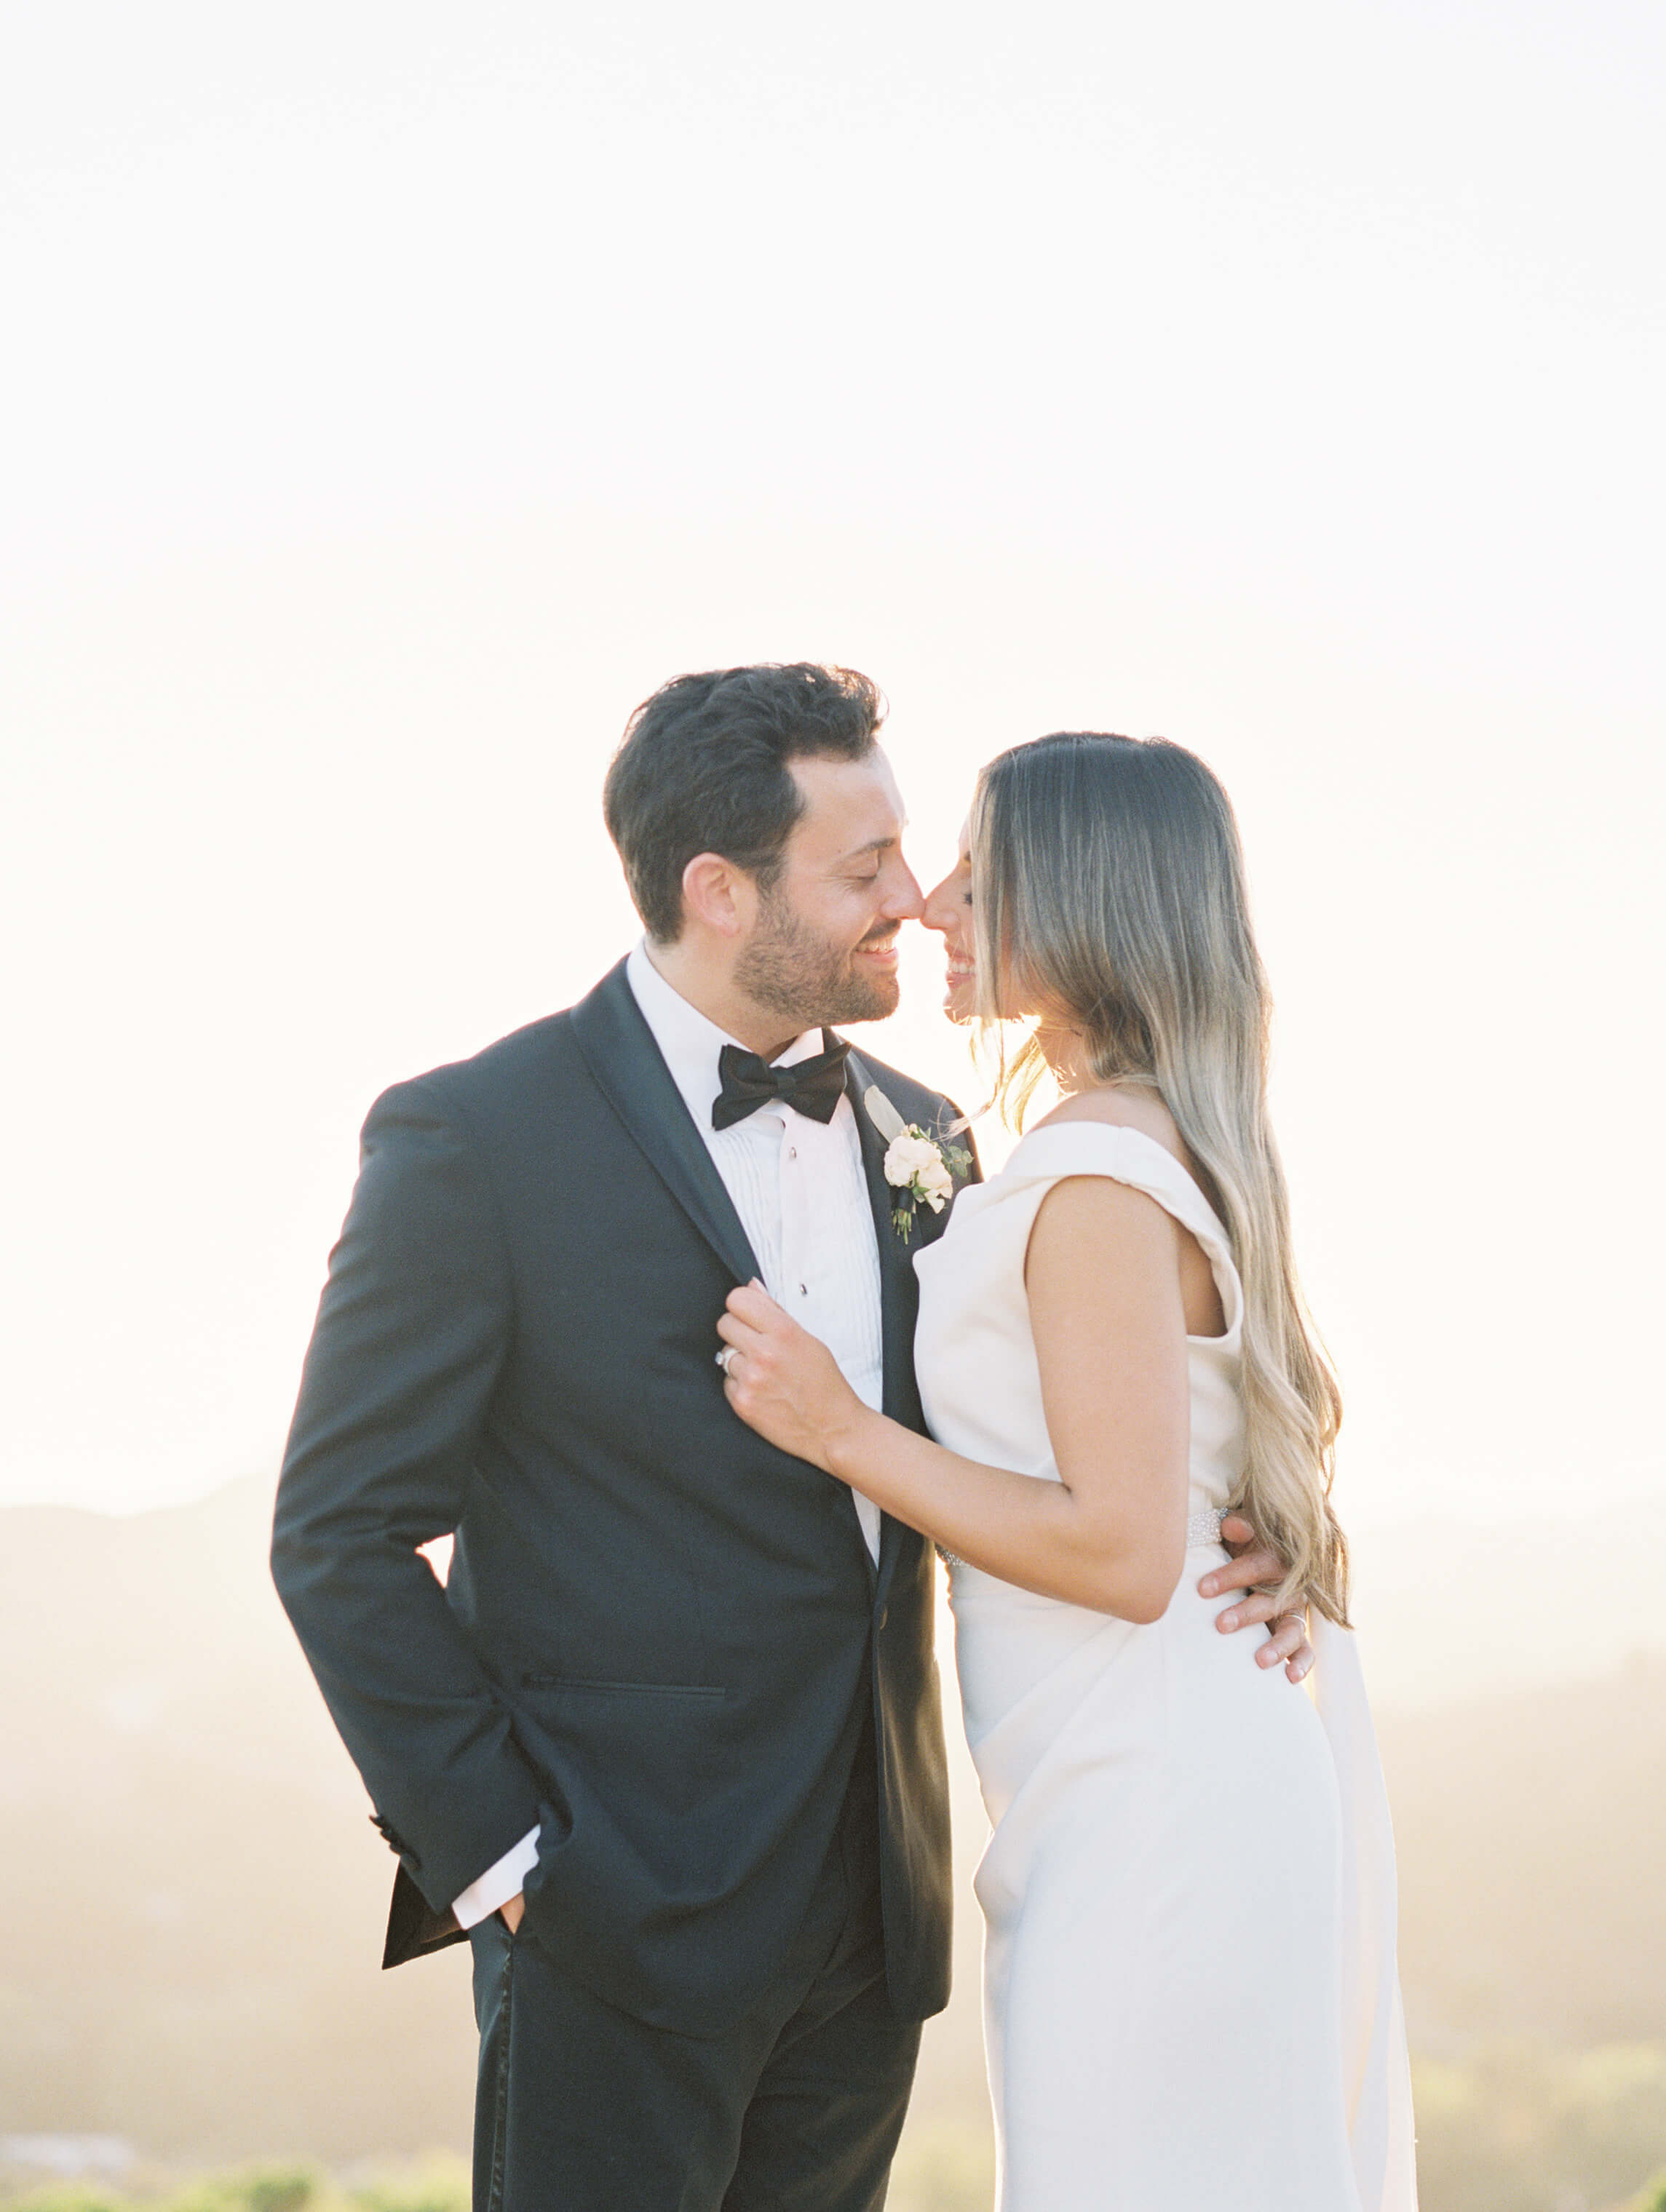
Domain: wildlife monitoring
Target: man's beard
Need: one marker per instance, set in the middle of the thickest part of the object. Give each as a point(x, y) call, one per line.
point(807, 982)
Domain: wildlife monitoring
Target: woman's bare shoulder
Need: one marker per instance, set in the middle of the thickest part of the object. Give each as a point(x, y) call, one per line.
point(1083, 1221)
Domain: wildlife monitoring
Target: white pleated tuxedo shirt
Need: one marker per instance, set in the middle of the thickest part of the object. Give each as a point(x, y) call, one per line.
point(800, 1192)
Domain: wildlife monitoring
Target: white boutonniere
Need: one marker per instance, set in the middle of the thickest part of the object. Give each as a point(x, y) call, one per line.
point(920, 1169)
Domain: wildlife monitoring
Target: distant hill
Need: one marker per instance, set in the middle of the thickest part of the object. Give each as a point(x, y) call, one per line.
point(1449, 1610)
point(1532, 1844)
point(195, 1898)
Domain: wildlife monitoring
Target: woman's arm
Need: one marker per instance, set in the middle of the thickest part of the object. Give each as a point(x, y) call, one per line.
point(1104, 1290)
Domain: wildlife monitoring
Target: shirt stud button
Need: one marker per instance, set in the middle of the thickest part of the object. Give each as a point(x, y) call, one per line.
point(804, 1290)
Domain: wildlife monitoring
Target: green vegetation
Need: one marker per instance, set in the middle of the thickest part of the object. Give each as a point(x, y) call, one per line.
point(434, 2185)
point(938, 2170)
point(1512, 2128)
point(1515, 2128)
point(942, 2169)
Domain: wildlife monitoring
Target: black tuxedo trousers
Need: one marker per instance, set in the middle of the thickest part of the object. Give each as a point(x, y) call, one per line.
point(796, 2108)
point(662, 1640)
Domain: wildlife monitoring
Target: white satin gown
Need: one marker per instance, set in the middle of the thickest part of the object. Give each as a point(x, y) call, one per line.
point(1191, 1999)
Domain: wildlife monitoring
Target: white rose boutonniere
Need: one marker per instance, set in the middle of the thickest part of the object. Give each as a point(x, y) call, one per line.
point(919, 1169)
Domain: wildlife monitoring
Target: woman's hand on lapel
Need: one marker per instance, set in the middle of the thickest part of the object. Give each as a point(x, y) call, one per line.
point(781, 1381)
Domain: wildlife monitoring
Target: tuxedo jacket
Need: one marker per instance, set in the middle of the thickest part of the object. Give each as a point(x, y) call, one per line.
point(660, 1636)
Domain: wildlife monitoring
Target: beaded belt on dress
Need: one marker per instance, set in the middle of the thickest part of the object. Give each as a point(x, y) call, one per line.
point(1202, 1528)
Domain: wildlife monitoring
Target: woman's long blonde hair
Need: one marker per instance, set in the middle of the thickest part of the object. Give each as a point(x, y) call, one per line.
point(1109, 892)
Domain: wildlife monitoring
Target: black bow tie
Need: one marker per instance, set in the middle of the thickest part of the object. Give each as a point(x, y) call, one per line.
point(808, 1086)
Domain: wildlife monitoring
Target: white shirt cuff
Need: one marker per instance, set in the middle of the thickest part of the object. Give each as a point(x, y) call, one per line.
point(500, 1882)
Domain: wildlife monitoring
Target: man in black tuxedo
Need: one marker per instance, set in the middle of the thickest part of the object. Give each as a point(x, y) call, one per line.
point(667, 1744)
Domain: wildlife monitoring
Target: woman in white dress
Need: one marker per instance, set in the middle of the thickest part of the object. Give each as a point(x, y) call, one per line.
point(1111, 1350)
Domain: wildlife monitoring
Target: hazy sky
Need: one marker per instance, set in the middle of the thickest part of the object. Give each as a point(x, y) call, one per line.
point(393, 396)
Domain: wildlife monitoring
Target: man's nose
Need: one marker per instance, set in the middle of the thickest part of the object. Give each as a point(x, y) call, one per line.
point(905, 901)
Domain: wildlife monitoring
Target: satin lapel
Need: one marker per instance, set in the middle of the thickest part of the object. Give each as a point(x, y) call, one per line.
point(899, 1296)
point(623, 1060)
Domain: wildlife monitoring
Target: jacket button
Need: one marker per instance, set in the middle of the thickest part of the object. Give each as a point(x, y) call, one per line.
point(391, 1836)
point(884, 1615)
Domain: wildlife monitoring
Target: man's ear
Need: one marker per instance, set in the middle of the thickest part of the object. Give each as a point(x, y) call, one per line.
point(719, 895)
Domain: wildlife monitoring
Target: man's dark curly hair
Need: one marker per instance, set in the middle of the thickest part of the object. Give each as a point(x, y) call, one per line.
point(703, 767)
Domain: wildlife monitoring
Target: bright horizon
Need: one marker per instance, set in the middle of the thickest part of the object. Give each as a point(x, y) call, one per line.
point(407, 393)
